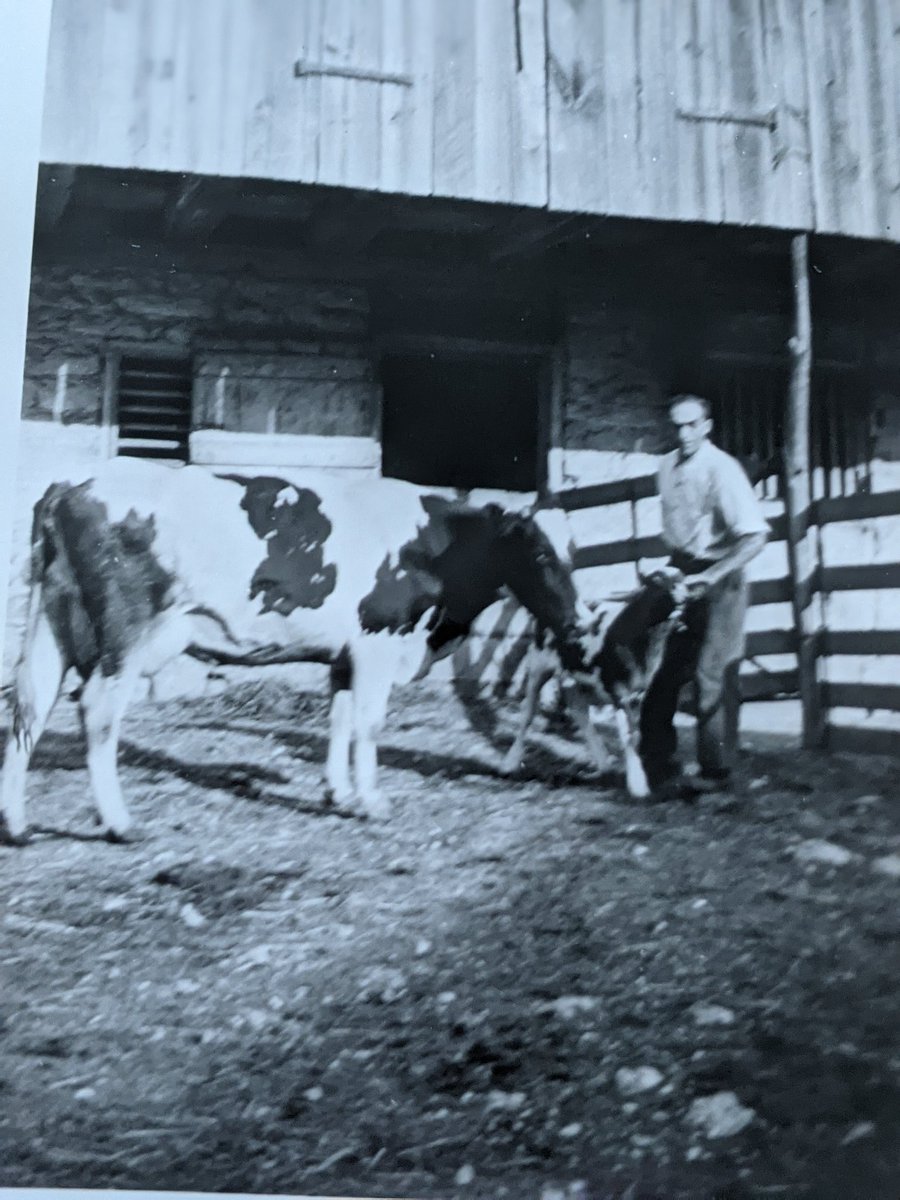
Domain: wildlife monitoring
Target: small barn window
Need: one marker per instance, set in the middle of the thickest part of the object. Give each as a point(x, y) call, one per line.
point(154, 407)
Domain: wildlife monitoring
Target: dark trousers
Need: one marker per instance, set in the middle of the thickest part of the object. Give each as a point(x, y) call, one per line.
point(706, 652)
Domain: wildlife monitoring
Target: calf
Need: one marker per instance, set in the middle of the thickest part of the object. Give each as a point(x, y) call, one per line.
point(625, 657)
point(376, 577)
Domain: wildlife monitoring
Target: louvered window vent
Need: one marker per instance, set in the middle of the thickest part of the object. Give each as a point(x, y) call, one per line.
point(154, 407)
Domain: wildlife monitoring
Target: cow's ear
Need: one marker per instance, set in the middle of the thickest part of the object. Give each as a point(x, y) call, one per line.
point(507, 523)
point(437, 506)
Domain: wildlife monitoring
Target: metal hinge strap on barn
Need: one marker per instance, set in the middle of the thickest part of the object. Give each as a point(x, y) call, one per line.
point(303, 70)
point(763, 120)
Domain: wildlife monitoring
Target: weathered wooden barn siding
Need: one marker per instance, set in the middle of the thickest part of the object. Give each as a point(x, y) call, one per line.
point(768, 112)
point(771, 112)
point(762, 112)
point(445, 98)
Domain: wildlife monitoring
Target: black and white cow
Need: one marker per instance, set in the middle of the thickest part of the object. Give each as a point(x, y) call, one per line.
point(623, 654)
point(376, 577)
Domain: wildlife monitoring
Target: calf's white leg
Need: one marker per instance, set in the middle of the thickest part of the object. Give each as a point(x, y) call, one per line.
point(38, 678)
point(635, 775)
point(581, 710)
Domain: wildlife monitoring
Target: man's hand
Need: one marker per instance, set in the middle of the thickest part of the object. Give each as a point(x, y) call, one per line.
point(697, 586)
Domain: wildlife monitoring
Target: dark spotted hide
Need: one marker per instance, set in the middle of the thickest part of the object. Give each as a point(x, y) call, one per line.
point(290, 521)
point(102, 583)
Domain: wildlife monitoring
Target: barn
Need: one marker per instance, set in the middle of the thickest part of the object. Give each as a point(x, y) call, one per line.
point(475, 244)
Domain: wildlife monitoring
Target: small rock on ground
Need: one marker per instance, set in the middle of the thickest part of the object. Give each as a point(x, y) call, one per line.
point(568, 1007)
point(632, 1080)
point(888, 864)
point(817, 850)
point(862, 1129)
point(720, 1116)
point(712, 1014)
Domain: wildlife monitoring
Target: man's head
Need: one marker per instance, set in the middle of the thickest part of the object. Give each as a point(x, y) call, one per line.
point(691, 419)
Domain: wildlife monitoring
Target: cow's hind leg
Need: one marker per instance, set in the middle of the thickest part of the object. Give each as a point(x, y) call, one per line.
point(338, 785)
point(103, 703)
point(37, 683)
point(373, 680)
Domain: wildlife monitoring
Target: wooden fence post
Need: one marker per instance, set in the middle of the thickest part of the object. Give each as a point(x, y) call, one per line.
point(798, 497)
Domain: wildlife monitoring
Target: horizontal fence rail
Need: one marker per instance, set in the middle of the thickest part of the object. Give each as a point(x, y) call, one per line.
point(861, 641)
point(862, 695)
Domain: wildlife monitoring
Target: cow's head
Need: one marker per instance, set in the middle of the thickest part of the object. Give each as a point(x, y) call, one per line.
point(542, 582)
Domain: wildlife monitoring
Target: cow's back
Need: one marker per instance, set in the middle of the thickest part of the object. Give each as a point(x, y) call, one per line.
point(280, 558)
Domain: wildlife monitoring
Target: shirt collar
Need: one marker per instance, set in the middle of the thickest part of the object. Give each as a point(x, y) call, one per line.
point(701, 455)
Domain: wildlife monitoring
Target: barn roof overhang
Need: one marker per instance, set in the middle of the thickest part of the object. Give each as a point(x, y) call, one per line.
point(400, 245)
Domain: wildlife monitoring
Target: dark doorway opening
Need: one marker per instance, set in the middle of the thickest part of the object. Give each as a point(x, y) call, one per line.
point(462, 422)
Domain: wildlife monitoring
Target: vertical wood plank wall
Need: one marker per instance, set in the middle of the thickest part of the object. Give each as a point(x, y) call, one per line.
point(783, 113)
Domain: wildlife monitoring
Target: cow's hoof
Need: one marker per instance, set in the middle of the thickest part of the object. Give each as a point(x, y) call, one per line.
point(120, 837)
point(511, 766)
point(343, 803)
point(8, 838)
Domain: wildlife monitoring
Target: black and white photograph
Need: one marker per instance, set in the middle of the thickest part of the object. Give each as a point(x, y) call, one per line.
point(450, 694)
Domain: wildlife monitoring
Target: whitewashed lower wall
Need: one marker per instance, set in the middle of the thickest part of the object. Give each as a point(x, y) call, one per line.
point(224, 449)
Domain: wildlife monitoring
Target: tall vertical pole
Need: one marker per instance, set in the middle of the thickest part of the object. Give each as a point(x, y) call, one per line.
point(23, 56)
point(798, 497)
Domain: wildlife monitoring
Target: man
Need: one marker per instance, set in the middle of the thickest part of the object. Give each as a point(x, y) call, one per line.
point(714, 526)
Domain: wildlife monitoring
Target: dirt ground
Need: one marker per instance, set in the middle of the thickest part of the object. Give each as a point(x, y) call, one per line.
point(260, 995)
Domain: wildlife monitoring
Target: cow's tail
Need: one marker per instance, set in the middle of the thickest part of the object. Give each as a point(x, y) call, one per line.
point(21, 694)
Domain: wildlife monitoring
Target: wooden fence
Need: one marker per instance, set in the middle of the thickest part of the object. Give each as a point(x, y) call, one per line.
point(855, 519)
